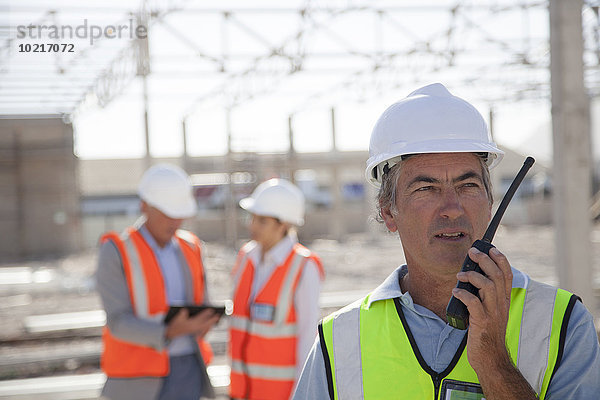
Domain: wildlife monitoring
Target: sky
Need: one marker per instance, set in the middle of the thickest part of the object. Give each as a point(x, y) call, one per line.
point(117, 131)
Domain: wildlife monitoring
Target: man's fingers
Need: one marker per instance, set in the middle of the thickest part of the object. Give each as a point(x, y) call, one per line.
point(199, 324)
point(205, 325)
point(206, 318)
point(181, 315)
point(496, 267)
point(215, 318)
point(204, 315)
point(476, 279)
point(494, 287)
point(502, 263)
point(472, 302)
point(485, 286)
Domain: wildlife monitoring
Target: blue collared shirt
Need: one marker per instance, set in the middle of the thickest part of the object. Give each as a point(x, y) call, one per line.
point(577, 378)
point(170, 265)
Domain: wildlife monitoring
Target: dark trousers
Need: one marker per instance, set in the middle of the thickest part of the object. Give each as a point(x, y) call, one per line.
point(184, 380)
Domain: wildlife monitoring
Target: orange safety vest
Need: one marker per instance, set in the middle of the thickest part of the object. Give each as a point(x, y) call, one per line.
point(263, 333)
point(122, 359)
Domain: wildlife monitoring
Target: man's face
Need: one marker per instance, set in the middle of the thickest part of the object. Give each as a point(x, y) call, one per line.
point(161, 227)
point(442, 207)
point(266, 230)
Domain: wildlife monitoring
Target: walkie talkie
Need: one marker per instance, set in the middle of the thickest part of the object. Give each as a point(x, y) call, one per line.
point(456, 312)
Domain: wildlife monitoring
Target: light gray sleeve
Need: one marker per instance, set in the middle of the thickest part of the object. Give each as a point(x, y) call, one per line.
point(114, 293)
point(306, 301)
point(313, 380)
point(578, 376)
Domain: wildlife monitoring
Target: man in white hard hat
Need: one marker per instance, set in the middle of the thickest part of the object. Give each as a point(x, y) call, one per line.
point(430, 156)
point(141, 273)
point(276, 296)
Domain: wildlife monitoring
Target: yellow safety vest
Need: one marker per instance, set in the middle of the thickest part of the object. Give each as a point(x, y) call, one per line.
point(370, 352)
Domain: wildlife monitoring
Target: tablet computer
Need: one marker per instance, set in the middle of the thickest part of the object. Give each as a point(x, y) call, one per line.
point(193, 310)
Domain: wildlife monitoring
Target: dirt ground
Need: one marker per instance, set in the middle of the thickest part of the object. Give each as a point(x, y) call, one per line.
point(360, 262)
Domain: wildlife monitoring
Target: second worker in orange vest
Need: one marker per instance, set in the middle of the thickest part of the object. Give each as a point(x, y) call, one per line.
point(141, 272)
point(277, 283)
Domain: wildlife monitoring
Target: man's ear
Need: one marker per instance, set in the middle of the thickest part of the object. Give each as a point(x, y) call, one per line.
point(388, 219)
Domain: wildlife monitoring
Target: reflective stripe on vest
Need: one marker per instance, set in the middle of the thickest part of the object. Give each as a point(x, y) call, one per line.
point(264, 371)
point(137, 280)
point(536, 330)
point(148, 298)
point(346, 335)
point(262, 329)
point(263, 352)
point(536, 318)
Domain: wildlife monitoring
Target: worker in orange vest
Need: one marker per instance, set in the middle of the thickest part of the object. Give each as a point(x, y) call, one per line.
point(276, 296)
point(141, 273)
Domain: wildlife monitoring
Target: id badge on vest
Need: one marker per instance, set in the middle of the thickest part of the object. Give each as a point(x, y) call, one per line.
point(456, 390)
point(262, 312)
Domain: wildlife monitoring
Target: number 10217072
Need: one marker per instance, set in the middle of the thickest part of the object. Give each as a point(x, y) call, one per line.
point(46, 48)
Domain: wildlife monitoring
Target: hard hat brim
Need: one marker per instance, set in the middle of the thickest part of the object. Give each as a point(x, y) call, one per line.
point(186, 209)
point(249, 204)
point(431, 147)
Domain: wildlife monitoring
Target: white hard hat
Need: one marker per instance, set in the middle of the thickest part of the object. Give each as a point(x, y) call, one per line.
point(429, 120)
point(168, 188)
point(276, 198)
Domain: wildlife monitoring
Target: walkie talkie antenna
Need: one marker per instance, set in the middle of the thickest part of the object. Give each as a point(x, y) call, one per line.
point(493, 226)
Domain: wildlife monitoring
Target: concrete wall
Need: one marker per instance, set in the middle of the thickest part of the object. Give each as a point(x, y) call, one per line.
point(39, 211)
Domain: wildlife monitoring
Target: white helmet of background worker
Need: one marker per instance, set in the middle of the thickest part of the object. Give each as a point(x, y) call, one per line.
point(429, 120)
point(168, 188)
point(276, 198)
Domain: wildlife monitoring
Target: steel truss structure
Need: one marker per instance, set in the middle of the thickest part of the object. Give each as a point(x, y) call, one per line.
point(311, 53)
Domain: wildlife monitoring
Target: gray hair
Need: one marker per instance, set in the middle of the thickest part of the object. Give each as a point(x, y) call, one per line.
point(386, 197)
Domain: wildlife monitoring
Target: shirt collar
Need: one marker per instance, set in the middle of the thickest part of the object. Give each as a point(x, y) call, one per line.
point(390, 288)
point(278, 253)
point(275, 255)
point(152, 243)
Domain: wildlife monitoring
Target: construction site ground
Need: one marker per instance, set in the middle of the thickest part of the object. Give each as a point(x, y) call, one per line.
point(36, 297)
